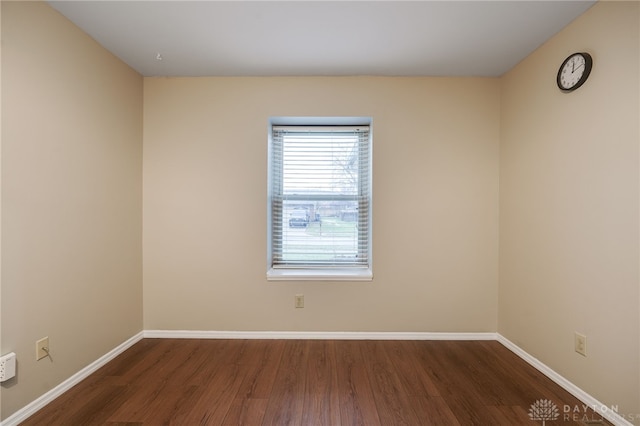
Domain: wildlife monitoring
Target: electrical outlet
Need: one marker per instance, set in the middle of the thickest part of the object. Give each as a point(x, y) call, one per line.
point(299, 300)
point(580, 343)
point(7, 367)
point(42, 348)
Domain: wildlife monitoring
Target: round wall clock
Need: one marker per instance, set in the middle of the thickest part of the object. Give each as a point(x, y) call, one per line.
point(574, 71)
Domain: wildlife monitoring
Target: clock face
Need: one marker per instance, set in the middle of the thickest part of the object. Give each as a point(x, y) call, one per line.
point(574, 71)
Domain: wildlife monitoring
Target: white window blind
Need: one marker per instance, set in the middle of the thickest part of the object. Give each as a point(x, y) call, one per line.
point(320, 197)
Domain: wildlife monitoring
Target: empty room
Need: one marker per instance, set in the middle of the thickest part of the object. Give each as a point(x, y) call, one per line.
point(320, 212)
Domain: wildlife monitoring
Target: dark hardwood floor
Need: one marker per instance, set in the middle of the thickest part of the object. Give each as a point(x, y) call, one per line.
point(311, 382)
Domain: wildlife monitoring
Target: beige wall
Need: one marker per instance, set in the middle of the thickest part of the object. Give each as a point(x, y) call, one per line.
point(569, 212)
point(71, 199)
point(435, 205)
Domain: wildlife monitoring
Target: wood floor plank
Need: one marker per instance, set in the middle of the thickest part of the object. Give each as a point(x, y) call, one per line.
point(214, 398)
point(183, 389)
point(451, 367)
point(515, 415)
point(415, 379)
point(246, 411)
point(153, 381)
point(63, 407)
point(486, 373)
point(261, 361)
point(433, 411)
point(287, 395)
point(101, 399)
point(321, 400)
point(136, 354)
point(357, 404)
point(388, 391)
point(537, 387)
point(187, 382)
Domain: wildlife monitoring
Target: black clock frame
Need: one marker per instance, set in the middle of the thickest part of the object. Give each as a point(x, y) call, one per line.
point(588, 64)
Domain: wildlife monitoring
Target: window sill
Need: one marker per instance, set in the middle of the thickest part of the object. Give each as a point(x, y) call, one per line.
point(319, 275)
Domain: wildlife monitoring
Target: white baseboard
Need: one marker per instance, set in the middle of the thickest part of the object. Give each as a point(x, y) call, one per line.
point(314, 335)
point(603, 410)
point(587, 399)
point(30, 409)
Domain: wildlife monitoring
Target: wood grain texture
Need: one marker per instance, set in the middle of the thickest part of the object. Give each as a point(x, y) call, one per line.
point(309, 382)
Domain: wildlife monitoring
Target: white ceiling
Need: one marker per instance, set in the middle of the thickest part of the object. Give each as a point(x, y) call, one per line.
point(302, 37)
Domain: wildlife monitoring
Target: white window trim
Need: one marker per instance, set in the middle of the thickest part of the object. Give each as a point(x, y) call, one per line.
point(318, 274)
point(333, 274)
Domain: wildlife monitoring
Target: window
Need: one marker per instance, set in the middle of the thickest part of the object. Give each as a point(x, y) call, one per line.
point(320, 201)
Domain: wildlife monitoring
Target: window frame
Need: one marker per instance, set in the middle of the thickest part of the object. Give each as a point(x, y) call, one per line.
point(313, 273)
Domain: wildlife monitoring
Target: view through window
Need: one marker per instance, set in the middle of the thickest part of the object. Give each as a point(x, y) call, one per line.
point(320, 196)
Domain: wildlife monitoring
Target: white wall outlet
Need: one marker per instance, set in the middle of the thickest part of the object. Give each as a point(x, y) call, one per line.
point(580, 343)
point(42, 348)
point(299, 300)
point(7, 367)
